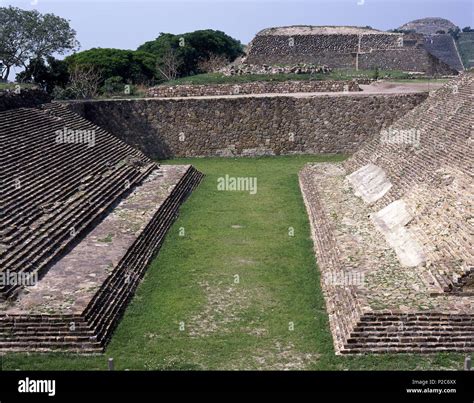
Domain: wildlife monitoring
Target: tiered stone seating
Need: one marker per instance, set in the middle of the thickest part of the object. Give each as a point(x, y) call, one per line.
point(424, 162)
point(89, 331)
point(54, 196)
point(53, 192)
point(434, 177)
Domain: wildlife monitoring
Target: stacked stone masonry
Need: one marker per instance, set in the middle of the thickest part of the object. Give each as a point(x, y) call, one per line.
point(262, 87)
point(83, 319)
point(248, 126)
point(375, 303)
point(53, 191)
point(22, 98)
point(436, 138)
point(62, 180)
point(444, 48)
point(342, 47)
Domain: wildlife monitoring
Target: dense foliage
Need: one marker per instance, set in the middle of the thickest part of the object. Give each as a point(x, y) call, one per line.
point(47, 75)
point(27, 36)
point(191, 48)
point(131, 66)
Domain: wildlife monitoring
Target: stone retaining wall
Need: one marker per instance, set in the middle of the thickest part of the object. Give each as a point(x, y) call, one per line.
point(293, 48)
point(385, 51)
point(23, 99)
point(248, 126)
point(261, 87)
point(406, 59)
point(444, 48)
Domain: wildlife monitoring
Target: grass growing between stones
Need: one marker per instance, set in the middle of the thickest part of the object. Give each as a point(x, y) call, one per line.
point(231, 289)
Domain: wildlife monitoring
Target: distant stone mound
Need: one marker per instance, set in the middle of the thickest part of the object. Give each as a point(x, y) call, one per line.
point(350, 47)
point(428, 26)
point(444, 48)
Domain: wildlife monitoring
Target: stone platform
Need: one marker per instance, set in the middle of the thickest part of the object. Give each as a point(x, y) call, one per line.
point(78, 302)
point(375, 303)
point(393, 232)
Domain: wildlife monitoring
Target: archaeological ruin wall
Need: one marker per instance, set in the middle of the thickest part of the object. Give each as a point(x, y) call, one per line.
point(392, 230)
point(409, 59)
point(17, 98)
point(248, 126)
point(259, 87)
point(82, 214)
point(444, 48)
point(342, 47)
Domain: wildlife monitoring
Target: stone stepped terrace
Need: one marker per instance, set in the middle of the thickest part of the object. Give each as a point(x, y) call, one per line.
point(54, 190)
point(79, 301)
point(82, 216)
point(392, 230)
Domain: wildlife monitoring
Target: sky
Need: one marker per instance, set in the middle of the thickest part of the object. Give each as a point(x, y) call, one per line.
point(126, 24)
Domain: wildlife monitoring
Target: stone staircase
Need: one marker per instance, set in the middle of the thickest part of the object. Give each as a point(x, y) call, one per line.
point(411, 333)
point(91, 331)
point(52, 195)
point(426, 159)
point(437, 180)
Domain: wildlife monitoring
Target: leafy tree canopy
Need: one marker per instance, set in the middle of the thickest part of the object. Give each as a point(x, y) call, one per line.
point(27, 35)
point(193, 47)
point(47, 75)
point(132, 66)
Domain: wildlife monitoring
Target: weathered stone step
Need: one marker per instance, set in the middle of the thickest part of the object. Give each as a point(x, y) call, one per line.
point(113, 297)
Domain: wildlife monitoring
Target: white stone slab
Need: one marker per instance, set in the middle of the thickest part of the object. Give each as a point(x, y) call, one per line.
point(391, 221)
point(370, 183)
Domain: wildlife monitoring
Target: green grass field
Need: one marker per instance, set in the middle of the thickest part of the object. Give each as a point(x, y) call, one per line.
point(231, 289)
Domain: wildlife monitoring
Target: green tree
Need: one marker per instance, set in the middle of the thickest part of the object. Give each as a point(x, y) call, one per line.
point(47, 75)
point(27, 36)
point(191, 48)
point(131, 66)
point(454, 32)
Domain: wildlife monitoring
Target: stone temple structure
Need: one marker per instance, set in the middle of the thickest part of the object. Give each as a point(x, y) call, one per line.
point(393, 230)
point(84, 208)
point(343, 47)
point(81, 216)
